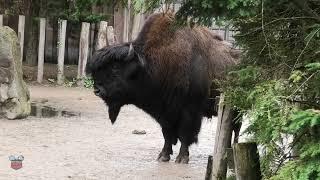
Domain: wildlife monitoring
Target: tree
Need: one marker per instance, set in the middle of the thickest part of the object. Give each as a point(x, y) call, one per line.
point(277, 84)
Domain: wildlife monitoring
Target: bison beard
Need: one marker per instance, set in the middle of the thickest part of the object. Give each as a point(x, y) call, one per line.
point(167, 72)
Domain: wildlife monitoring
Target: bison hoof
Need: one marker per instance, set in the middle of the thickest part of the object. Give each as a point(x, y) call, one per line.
point(163, 157)
point(182, 159)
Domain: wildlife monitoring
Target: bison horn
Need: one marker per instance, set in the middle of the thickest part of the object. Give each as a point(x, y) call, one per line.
point(130, 55)
point(131, 52)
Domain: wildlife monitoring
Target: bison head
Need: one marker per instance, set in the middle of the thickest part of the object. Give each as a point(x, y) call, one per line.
point(115, 71)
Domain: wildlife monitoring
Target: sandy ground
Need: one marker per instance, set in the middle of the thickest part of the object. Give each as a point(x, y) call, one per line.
point(88, 147)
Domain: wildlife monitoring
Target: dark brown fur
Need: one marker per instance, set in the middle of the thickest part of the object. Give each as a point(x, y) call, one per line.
point(169, 50)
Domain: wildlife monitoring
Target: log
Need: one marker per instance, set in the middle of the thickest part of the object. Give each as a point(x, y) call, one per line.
point(222, 140)
point(102, 35)
point(246, 159)
point(42, 37)
point(83, 51)
point(21, 27)
point(61, 50)
point(1, 20)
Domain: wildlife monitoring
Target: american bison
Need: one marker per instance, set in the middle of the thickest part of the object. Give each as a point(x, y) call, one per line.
point(166, 71)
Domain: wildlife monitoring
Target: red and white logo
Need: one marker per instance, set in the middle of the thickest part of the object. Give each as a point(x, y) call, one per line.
point(16, 162)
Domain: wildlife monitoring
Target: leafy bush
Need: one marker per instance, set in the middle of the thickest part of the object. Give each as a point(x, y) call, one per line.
point(88, 82)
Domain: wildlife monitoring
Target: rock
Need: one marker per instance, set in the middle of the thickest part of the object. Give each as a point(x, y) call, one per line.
point(139, 132)
point(14, 93)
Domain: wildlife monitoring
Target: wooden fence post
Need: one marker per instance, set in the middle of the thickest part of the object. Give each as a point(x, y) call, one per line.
point(127, 15)
point(209, 168)
point(92, 45)
point(61, 49)
point(222, 140)
point(102, 35)
point(246, 159)
point(226, 33)
point(136, 25)
point(1, 20)
point(119, 22)
point(21, 26)
point(111, 36)
point(42, 37)
point(83, 51)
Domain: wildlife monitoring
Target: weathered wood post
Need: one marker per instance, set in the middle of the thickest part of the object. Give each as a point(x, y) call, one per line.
point(42, 38)
point(61, 49)
point(83, 51)
point(138, 21)
point(127, 15)
point(119, 22)
point(209, 168)
point(222, 140)
point(21, 25)
point(102, 35)
point(246, 159)
point(111, 36)
point(226, 33)
point(1, 20)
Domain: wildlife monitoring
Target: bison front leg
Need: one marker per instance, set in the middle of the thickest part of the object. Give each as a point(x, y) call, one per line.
point(164, 155)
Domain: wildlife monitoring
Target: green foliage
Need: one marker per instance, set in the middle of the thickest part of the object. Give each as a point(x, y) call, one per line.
point(88, 82)
point(302, 120)
point(72, 10)
point(71, 83)
point(145, 5)
point(281, 96)
point(299, 170)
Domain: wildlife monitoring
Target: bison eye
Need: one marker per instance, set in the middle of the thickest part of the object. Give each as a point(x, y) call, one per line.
point(97, 83)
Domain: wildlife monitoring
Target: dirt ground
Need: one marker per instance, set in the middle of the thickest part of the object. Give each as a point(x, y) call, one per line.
point(88, 147)
point(30, 73)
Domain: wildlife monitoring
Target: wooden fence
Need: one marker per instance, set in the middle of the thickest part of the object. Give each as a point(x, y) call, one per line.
point(104, 36)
